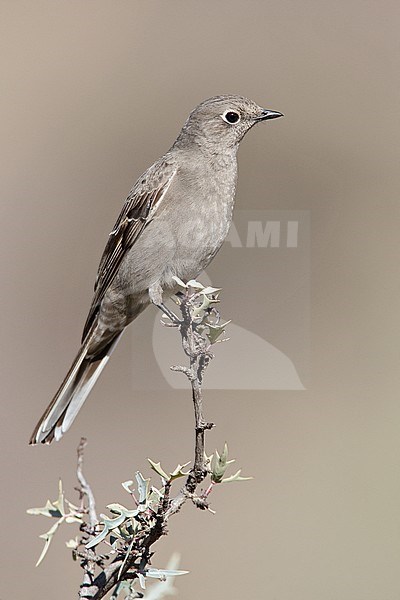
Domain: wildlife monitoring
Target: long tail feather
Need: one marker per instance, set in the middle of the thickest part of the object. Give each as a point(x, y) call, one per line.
point(80, 379)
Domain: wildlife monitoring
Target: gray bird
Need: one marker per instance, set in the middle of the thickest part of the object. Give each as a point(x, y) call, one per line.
point(173, 223)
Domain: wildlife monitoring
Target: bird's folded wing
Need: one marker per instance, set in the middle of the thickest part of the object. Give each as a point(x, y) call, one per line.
point(138, 210)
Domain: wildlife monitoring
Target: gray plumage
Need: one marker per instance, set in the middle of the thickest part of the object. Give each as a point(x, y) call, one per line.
point(173, 222)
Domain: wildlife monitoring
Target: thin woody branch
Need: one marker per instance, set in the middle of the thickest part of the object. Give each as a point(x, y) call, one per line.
point(85, 489)
point(88, 558)
point(197, 347)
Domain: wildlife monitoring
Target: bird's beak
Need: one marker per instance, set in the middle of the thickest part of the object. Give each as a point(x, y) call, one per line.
point(268, 114)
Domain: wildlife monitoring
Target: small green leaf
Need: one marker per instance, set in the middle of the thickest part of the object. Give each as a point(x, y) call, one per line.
point(116, 508)
point(59, 503)
point(98, 538)
point(163, 573)
point(72, 543)
point(75, 510)
point(178, 472)
point(154, 498)
point(143, 487)
point(48, 510)
point(195, 284)
point(198, 310)
point(127, 486)
point(220, 465)
point(179, 282)
point(210, 290)
point(158, 469)
point(215, 331)
point(155, 492)
point(48, 537)
point(142, 581)
point(73, 519)
point(113, 523)
point(51, 509)
point(126, 529)
point(236, 477)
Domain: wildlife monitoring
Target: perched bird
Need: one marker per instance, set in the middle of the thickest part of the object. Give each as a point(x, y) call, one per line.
point(173, 223)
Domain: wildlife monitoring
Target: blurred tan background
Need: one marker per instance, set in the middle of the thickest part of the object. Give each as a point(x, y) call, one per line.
point(92, 93)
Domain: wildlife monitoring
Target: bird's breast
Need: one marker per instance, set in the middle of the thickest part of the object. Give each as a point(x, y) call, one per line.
point(198, 218)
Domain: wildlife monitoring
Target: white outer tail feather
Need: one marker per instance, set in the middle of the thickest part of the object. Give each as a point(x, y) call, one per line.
point(71, 395)
point(80, 393)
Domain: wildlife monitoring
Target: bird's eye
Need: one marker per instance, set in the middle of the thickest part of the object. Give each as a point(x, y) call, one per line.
point(231, 117)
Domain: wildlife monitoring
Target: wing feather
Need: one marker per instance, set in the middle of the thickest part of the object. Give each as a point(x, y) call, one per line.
point(137, 212)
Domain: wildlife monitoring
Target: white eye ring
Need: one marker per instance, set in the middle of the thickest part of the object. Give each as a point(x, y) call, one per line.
point(231, 117)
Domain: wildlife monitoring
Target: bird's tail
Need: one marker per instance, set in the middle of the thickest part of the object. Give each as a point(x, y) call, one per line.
point(80, 379)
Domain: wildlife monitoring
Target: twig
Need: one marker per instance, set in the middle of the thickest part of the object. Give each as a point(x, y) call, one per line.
point(89, 560)
point(86, 490)
point(197, 349)
point(124, 567)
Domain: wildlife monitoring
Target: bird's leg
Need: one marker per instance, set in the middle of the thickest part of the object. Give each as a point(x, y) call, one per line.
point(155, 295)
point(171, 315)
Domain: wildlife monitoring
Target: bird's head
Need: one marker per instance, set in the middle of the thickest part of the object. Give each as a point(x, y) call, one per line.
point(220, 123)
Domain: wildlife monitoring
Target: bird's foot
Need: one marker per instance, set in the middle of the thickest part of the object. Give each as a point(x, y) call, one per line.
point(175, 320)
point(155, 294)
